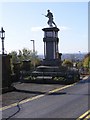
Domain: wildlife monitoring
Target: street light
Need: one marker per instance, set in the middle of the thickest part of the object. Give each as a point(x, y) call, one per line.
point(2, 36)
point(33, 45)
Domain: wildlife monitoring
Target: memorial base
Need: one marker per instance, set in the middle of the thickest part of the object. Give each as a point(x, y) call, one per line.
point(52, 62)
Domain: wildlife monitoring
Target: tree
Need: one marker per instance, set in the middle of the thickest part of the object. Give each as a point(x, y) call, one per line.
point(25, 55)
point(67, 63)
point(14, 56)
point(79, 64)
point(20, 56)
point(86, 60)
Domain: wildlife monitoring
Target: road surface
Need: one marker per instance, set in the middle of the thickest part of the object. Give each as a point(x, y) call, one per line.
point(70, 101)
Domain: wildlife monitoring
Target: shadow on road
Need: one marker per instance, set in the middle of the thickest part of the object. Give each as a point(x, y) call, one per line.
point(46, 93)
point(31, 92)
point(38, 92)
point(58, 93)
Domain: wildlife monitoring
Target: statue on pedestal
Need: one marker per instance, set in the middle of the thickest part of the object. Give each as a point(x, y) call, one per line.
point(50, 21)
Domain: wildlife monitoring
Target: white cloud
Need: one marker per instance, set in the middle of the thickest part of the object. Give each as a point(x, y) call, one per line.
point(62, 28)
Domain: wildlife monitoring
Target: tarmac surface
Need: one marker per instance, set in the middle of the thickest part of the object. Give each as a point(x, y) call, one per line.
point(24, 91)
point(69, 101)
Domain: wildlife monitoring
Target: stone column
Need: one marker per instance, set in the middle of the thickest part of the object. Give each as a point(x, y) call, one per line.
point(51, 41)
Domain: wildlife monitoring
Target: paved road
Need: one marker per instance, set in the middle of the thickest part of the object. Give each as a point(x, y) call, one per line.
point(70, 102)
point(25, 90)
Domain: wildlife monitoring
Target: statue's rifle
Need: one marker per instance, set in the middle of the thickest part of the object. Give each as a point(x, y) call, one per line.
point(44, 15)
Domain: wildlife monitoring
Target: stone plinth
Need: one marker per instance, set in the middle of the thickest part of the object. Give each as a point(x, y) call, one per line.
point(51, 52)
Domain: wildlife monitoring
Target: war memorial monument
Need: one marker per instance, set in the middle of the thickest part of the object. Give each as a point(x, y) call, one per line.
point(51, 66)
point(51, 40)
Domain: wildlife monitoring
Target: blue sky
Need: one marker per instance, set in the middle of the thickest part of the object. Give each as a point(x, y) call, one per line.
point(24, 21)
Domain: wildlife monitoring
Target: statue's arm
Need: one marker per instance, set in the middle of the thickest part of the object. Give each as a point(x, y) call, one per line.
point(46, 15)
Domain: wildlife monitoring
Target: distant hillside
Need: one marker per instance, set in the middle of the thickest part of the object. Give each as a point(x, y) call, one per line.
point(73, 56)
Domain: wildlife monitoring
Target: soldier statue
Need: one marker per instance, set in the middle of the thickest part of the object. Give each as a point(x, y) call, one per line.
point(50, 21)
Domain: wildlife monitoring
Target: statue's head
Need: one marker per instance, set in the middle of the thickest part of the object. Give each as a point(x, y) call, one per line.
point(48, 10)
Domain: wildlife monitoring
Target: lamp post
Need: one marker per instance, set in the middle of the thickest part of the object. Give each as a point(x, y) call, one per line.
point(2, 36)
point(33, 53)
point(33, 45)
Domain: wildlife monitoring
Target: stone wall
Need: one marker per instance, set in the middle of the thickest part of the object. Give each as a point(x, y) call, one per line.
point(6, 71)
